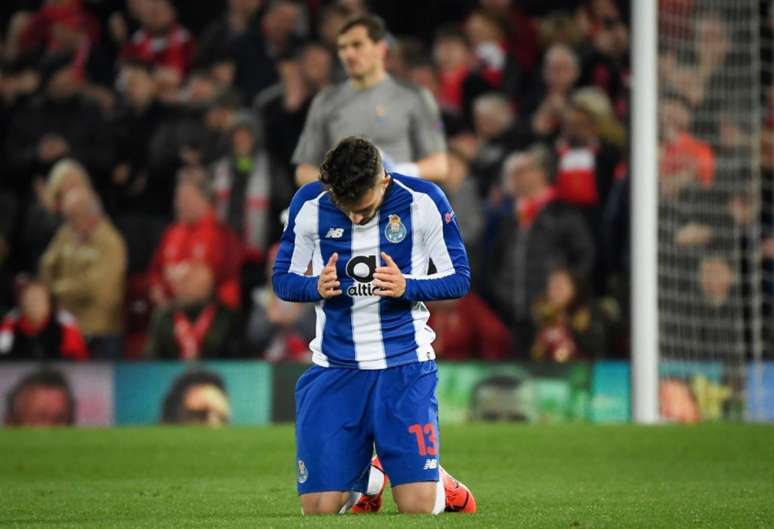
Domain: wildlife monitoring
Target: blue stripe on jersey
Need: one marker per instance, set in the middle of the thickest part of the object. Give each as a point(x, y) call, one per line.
point(337, 342)
point(397, 323)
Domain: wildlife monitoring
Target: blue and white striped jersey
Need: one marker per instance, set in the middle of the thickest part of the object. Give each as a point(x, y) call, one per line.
point(358, 329)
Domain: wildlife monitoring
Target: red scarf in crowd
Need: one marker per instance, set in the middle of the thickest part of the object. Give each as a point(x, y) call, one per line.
point(529, 208)
point(190, 336)
point(576, 178)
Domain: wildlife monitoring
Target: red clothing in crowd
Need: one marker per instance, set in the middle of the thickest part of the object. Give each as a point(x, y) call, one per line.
point(172, 50)
point(576, 176)
point(467, 329)
point(687, 153)
point(57, 337)
point(40, 29)
point(206, 241)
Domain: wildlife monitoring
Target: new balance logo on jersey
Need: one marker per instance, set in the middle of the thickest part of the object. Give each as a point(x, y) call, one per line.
point(334, 233)
point(431, 464)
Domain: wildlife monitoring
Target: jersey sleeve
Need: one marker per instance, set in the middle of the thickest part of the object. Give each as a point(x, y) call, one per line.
point(296, 249)
point(443, 239)
point(313, 142)
point(427, 136)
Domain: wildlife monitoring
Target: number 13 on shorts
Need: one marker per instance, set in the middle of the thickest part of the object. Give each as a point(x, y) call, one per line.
point(426, 437)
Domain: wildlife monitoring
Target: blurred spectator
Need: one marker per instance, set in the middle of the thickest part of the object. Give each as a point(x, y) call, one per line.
point(58, 124)
point(570, 326)
point(251, 191)
point(424, 73)
point(44, 216)
point(460, 189)
point(137, 119)
point(402, 120)
point(719, 304)
point(237, 36)
point(196, 236)
point(487, 33)
point(280, 330)
point(551, 96)
point(684, 159)
point(539, 234)
point(195, 325)
point(467, 329)
point(609, 128)
point(84, 267)
point(40, 399)
point(522, 35)
point(455, 60)
point(499, 132)
point(282, 27)
point(605, 55)
point(197, 397)
point(331, 19)
point(161, 42)
point(283, 107)
point(38, 330)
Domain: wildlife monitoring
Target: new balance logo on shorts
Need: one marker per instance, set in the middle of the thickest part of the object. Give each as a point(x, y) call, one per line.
point(431, 464)
point(334, 233)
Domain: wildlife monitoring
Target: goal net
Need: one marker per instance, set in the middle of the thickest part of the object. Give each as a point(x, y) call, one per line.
point(710, 280)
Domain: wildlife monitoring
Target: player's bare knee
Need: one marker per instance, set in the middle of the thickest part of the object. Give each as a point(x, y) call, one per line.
point(419, 503)
point(324, 503)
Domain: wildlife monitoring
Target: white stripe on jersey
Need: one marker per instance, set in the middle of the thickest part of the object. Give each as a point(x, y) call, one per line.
point(423, 334)
point(366, 321)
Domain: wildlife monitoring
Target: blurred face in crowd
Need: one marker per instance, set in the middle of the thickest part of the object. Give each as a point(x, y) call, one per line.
point(716, 279)
point(561, 68)
point(139, 86)
point(244, 7)
point(206, 404)
point(362, 58)
point(482, 29)
point(674, 118)
point(35, 303)
point(560, 289)
point(201, 88)
point(451, 53)
point(316, 65)
point(157, 16)
point(281, 21)
point(68, 180)
point(523, 176)
point(425, 76)
point(195, 285)
point(491, 117)
point(80, 210)
point(191, 203)
point(242, 141)
point(578, 127)
point(42, 406)
point(332, 20)
point(713, 42)
point(63, 84)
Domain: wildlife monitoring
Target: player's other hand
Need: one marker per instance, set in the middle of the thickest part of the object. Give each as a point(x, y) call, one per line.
point(389, 279)
point(328, 285)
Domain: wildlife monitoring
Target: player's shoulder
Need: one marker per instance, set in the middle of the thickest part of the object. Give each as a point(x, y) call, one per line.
point(306, 193)
point(331, 93)
point(421, 189)
point(413, 91)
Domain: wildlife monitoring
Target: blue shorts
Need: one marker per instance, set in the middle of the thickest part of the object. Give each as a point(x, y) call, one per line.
point(342, 413)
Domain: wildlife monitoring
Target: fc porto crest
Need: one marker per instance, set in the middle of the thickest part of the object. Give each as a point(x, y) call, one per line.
point(395, 231)
point(302, 474)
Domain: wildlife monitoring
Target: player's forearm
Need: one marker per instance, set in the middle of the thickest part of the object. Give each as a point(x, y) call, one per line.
point(293, 287)
point(452, 286)
point(434, 167)
point(306, 173)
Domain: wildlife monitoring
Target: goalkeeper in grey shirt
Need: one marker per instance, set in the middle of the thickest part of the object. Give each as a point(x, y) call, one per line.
point(400, 118)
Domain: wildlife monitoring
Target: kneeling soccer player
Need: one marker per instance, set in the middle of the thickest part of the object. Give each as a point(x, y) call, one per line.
point(370, 236)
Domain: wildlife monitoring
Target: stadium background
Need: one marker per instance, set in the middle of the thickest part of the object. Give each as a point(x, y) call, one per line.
point(138, 92)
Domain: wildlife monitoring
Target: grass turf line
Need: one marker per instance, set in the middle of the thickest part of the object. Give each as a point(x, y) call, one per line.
point(564, 476)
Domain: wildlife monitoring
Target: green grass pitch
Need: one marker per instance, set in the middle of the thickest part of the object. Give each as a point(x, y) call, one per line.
point(575, 476)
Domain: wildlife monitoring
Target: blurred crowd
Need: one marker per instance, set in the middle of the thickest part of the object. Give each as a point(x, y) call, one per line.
point(146, 162)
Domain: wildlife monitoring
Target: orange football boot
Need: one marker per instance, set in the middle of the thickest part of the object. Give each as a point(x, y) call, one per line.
point(373, 502)
point(458, 496)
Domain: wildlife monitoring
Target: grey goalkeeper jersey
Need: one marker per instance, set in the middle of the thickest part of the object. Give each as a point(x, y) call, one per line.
point(399, 118)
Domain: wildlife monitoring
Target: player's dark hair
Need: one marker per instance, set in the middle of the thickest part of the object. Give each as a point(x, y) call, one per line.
point(172, 411)
point(350, 169)
point(47, 378)
point(375, 26)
